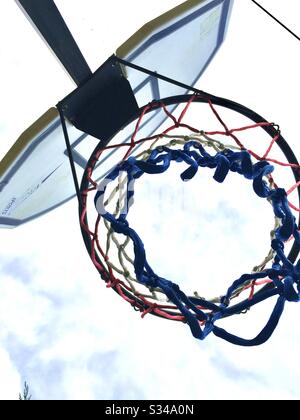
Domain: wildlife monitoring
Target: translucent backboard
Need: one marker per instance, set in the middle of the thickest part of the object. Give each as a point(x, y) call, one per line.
point(35, 175)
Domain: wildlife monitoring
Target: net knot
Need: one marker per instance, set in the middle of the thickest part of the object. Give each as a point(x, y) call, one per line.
point(277, 245)
point(120, 226)
point(112, 283)
point(151, 308)
point(127, 165)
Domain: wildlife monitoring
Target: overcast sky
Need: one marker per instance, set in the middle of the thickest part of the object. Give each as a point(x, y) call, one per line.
point(61, 329)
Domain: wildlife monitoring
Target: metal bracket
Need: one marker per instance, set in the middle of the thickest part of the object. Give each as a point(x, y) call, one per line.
point(104, 104)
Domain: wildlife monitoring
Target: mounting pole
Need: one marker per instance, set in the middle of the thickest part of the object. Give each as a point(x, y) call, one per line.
point(48, 21)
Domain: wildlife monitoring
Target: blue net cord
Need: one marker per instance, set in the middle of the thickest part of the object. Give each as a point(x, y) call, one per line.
point(283, 274)
point(126, 261)
point(114, 242)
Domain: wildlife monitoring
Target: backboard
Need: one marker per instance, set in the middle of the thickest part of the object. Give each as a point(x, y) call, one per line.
point(35, 174)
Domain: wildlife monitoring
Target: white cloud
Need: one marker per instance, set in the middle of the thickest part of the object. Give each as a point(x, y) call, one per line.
point(10, 381)
point(72, 338)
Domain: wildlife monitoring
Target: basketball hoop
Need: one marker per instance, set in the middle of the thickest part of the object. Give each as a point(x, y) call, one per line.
point(108, 235)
